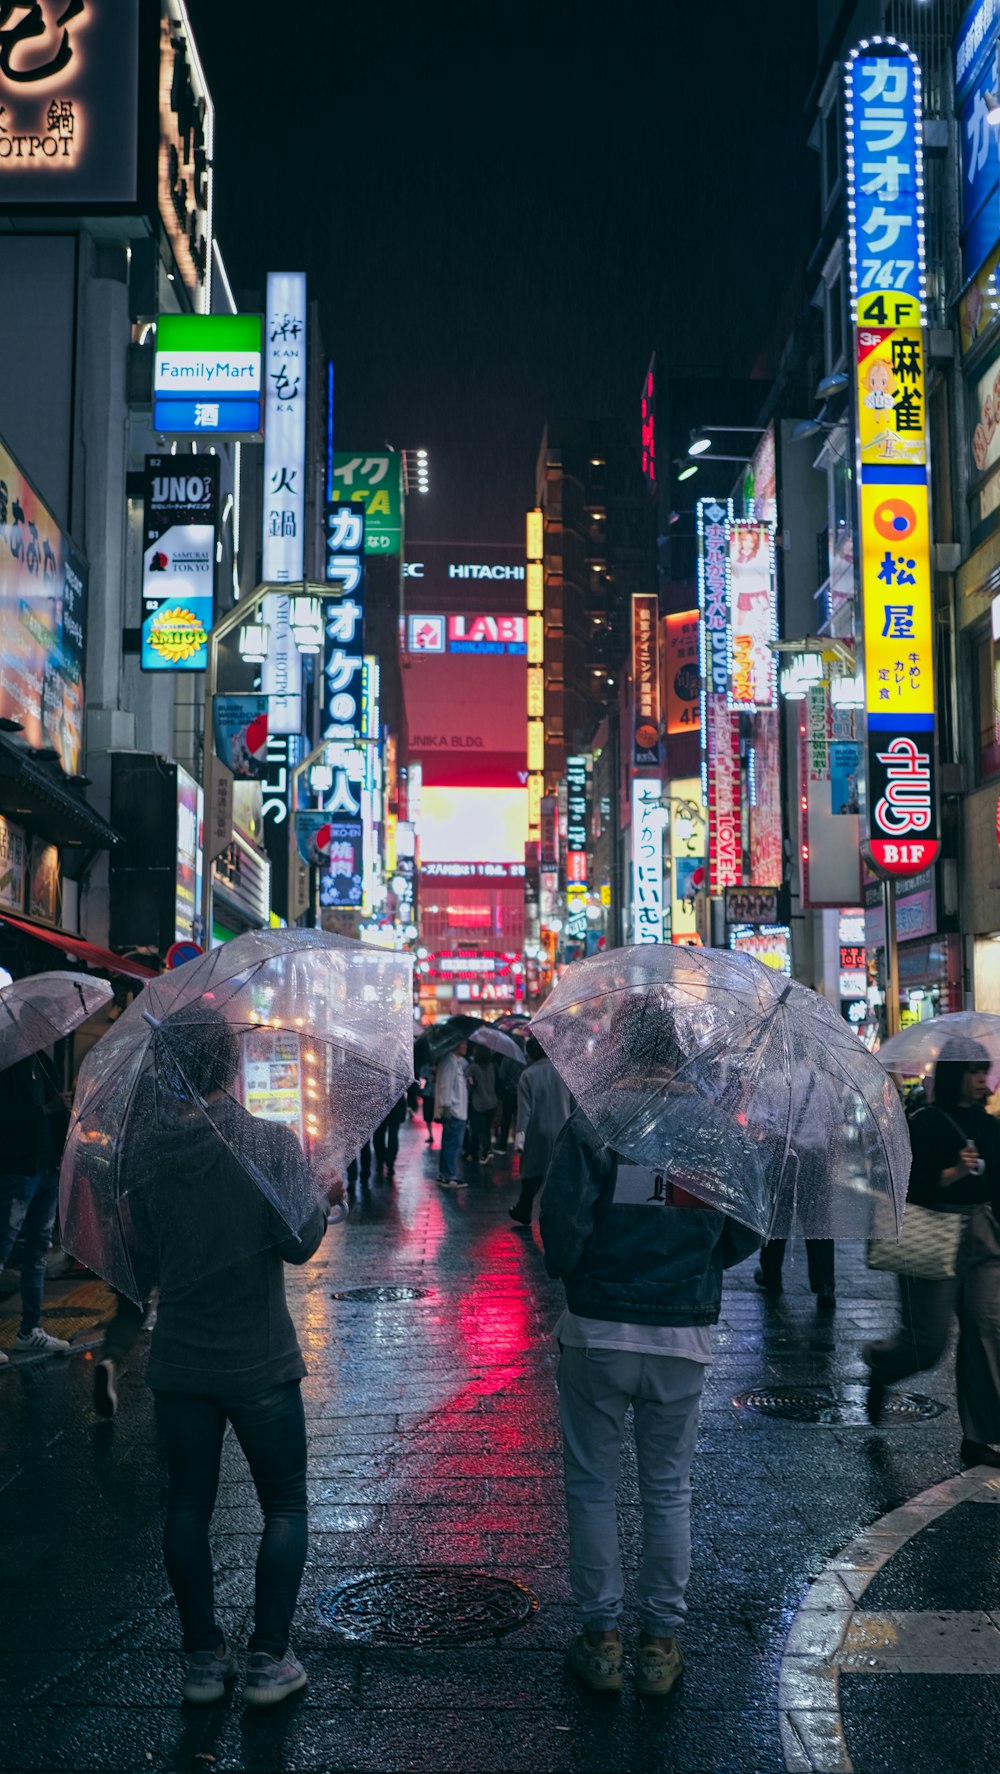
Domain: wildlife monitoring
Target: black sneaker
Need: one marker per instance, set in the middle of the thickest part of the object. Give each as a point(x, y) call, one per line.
point(769, 1286)
point(826, 1300)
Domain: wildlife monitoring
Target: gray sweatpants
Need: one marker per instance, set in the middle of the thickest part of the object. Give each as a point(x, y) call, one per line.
point(596, 1387)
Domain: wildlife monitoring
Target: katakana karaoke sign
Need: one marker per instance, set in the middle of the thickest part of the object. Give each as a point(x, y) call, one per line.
point(884, 133)
point(344, 622)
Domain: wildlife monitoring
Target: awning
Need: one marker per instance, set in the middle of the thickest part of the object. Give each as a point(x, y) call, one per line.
point(75, 949)
point(34, 789)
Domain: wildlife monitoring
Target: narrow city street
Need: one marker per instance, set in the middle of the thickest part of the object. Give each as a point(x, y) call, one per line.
point(821, 1634)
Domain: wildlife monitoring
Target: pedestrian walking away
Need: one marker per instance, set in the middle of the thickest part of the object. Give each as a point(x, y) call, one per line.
point(120, 1337)
point(956, 1170)
point(483, 1099)
point(642, 1264)
point(544, 1106)
point(815, 1116)
point(507, 1082)
point(34, 1118)
point(385, 1140)
point(224, 1351)
point(451, 1108)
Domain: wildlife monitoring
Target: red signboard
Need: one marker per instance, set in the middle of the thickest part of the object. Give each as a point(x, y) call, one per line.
point(681, 672)
point(645, 682)
point(725, 838)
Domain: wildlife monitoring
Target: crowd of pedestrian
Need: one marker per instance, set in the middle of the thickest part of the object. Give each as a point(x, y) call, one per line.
point(643, 1291)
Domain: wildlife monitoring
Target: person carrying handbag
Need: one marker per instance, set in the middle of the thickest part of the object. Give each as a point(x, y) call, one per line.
point(956, 1172)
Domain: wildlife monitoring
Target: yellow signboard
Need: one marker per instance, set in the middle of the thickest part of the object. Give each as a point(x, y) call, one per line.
point(536, 692)
point(899, 674)
point(891, 424)
point(535, 585)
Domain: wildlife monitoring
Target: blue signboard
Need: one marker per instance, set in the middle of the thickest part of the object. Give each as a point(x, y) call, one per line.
point(883, 108)
point(198, 413)
point(979, 140)
point(974, 42)
point(343, 621)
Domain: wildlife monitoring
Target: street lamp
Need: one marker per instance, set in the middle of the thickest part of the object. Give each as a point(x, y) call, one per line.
point(252, 634)
point(701, 436)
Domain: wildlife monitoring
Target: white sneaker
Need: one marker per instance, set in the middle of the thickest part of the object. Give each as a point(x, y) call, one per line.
point(40, 1342)
point(4, 1358)
point(452, 1183)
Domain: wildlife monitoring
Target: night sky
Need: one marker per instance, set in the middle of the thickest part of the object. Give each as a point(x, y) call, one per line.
point(503, 209)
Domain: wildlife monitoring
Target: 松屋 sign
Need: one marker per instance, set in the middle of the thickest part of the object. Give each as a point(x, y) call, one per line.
point(207, 375)
point(885, 180)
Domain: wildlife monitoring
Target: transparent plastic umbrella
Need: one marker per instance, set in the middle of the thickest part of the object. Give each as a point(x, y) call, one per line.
point(915, 1051)
point(746, 1086)
point(228, 1094)
point(42, 1009)
point(497, 1042)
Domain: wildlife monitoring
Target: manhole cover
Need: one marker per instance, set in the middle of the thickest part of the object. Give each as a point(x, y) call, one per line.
point(382, 1296)
point(433, 1606)
point(819, 1405)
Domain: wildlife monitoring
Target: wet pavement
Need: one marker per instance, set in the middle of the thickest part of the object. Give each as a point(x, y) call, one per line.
point(829, 1627)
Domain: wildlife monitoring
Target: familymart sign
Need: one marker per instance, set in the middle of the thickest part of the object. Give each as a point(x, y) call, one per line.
point(207, 377)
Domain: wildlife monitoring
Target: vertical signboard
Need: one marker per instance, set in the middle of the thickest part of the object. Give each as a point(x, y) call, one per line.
point(576, 849)
point(284, 499)
point(753, 616)
point(647, 859)
point(648, 416)
point(645, 682)
point(43, 620)
point(178, 561)
point(720, 738)
point(687, 858)
point(344, 622)
point(535, 629)
point(207, 375)
point(682, 678)
point(187, 152)
point(884, 124)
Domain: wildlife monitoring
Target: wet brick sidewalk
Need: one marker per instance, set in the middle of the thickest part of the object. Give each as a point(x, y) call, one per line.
point(434, 1441)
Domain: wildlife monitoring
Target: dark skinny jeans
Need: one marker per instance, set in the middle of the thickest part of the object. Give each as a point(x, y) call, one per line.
point(271, 1430)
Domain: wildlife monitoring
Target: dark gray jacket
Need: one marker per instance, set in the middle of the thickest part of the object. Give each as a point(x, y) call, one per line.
point(217, 1249)
point(628, 1260)
point(544, 1106)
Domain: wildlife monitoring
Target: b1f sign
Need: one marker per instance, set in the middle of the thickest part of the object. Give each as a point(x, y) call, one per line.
point(207, 375)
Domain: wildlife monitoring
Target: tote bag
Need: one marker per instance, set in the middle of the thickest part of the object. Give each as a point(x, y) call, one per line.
point(927, 1247)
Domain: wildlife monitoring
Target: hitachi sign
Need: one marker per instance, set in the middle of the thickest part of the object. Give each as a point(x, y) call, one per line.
point(477, 572)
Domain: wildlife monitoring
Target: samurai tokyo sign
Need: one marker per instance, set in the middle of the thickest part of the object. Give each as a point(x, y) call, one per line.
point(884, 117)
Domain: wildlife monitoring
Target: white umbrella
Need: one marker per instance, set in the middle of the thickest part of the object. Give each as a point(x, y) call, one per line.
point(747, 1086)
point(915, 1051)
point(42, 1009)
point(498, 1042)
point(295, 1027)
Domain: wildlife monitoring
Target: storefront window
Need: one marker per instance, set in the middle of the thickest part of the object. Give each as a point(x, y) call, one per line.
point(988, 706)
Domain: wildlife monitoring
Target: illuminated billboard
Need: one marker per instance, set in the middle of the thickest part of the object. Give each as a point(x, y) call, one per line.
point(478, 634)
point(883, 100)
point(490, 824)
point(207, 375)
point(720, 733)
point(753, 616)
point(43, 620)
point(284, 502)
point(647, 860)
point(645, 682)
point(373, 480)
point(178, 561)
point(69, 97)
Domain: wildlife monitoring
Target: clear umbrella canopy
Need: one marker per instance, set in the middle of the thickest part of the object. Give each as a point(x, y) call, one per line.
point(497, 1042)
point(40, 1010)
point(967, 1035)
point(749, 1088)
point(227, 1095)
